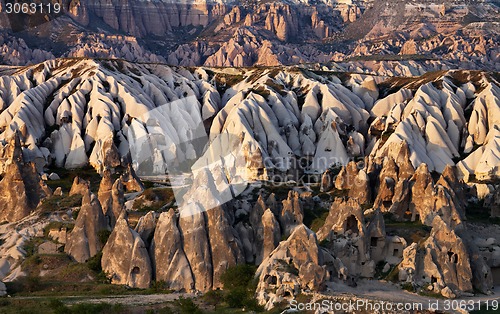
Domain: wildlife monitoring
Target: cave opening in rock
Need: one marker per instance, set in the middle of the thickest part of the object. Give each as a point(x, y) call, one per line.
point(453, 257)
point(271, 280)
point(352, 224)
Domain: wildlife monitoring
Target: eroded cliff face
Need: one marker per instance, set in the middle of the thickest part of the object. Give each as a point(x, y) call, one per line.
point(265, 34)
point(21, 185)
point(382, 152)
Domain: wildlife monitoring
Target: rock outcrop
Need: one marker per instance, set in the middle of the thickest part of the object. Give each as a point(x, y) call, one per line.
point(125, 258)
point(442, 262)
point(21, 186)
point(292, 213)
point(79, 186)
point(295, 264)
point(85, 241)
point(146, 227)
point(347, 238)
point(169, 260)
point(111, 197)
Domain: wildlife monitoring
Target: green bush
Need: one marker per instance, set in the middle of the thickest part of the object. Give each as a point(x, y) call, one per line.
point(238, 276)
point(213, 298)
point(85, 308)
point(94, 263)
point(237, 297)
point(103, 236)
point(239, 287)
point(24, 284)
point(187, 306)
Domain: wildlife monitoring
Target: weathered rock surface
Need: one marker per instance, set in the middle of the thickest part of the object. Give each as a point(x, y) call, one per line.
point(21, 186)
point(271, 235)
point(295, 264)
point(169, 260)
point(111, 197)
point(125, 258)
point(84, 240)
point(292, 213)
point(79, 186)
point(443, 260)
point(146, 226)
point(347, 237)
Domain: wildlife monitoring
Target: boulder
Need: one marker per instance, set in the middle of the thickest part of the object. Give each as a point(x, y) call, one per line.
point(54, 176)
point(3, 289)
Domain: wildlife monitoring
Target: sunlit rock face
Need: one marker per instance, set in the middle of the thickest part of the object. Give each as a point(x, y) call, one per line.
point(238, 146)
point(21, 186)
point(110, 114)
point(222, 33)
point(84, 241)
point(125, 258)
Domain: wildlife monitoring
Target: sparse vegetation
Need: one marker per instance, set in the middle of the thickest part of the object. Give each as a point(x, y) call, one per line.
point(58, 203)
point(187, 306)
point(154, 199)
point(239, 287)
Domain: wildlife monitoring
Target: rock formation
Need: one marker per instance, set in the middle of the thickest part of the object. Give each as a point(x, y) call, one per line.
point(85, 241)
point(146, 227)
point(169, 260)
point(442, 262)
point(111, 197)
point(125, 258)
point(291, 213)
point(347, 238)
point(295, 264)
point(79, 186)
point(21, 186)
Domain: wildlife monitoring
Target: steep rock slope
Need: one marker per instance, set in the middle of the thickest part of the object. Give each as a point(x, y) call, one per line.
point(260, 122)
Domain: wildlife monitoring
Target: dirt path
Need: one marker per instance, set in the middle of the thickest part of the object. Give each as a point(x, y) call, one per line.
point(387, 292)
point(129, 300)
